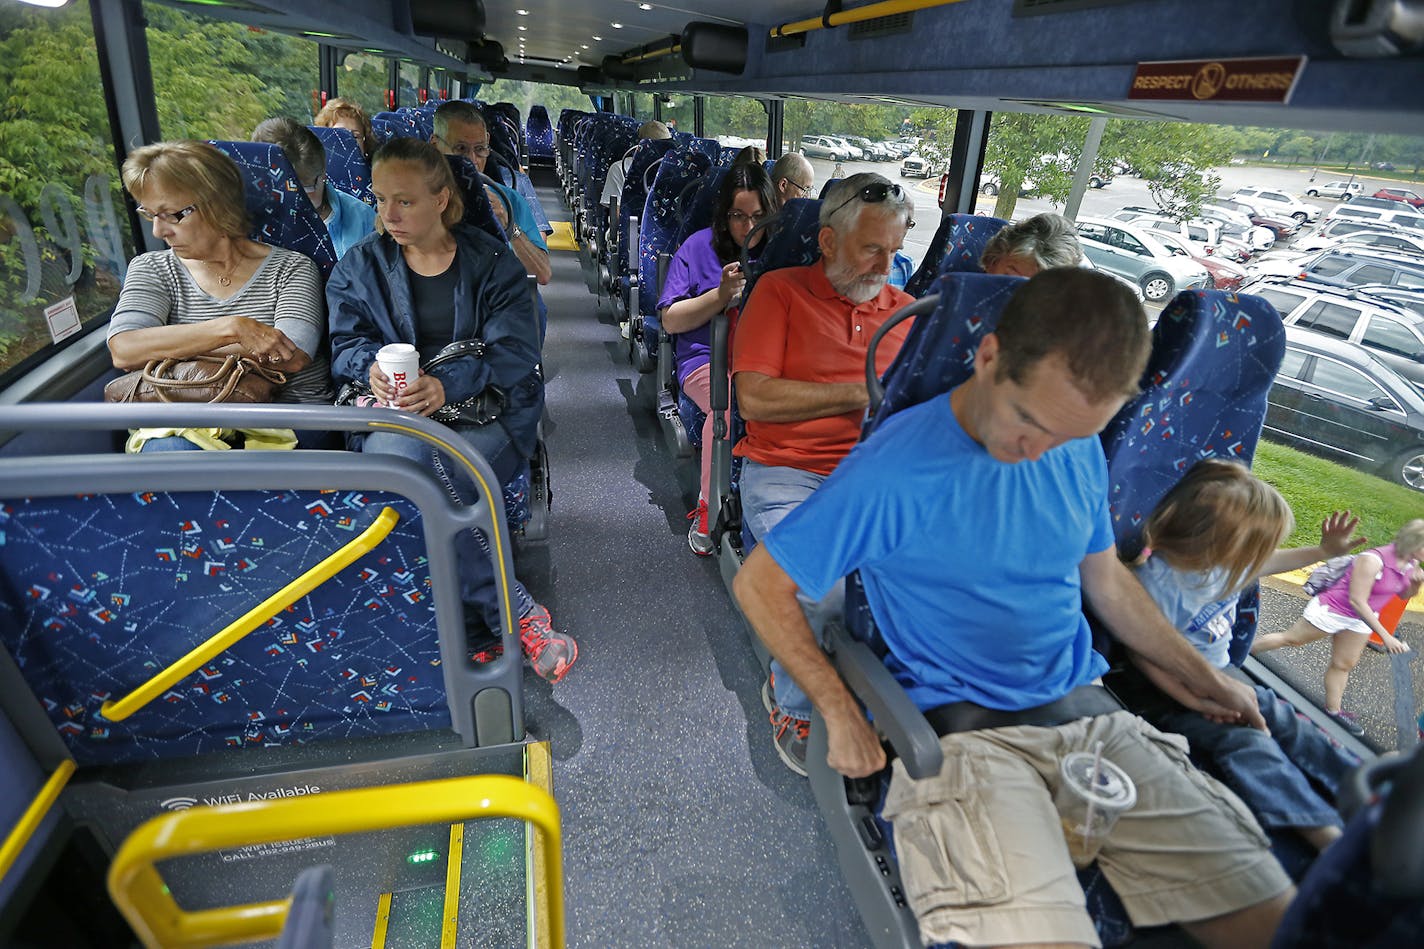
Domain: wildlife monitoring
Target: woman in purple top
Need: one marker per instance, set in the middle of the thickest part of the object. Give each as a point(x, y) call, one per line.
point(704, 279)
point(1348, 611)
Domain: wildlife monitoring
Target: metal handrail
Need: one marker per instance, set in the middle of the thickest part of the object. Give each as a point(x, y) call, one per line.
point(198, 656)
point(29, 821)
point(138, 890)
point(857, 15)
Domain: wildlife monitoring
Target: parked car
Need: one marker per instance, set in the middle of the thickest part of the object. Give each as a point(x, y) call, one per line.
point(1225, 274)
point(989, 184)
point(823, 146)
point(1400, 194)
point(871, 150)
point(904, 147)
point(1401, 242)
point(1384, 166)
point(1283, 226)
point(916, 166)
point(1377, 200)
point(1334, 399)
point(1132, 252)
point(1349, 268)
point(1272, 199)
point(1339, 190)
point(1393, 333)
point(1334, 231)
point(1237, 226)
point(1408, 298)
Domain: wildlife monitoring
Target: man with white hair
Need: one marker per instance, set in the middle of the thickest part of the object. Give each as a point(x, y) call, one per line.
point(799, 367)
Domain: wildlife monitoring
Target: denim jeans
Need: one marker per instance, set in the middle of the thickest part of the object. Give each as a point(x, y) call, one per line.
point(472, 549)
point(768, 495)
point(1269, 772)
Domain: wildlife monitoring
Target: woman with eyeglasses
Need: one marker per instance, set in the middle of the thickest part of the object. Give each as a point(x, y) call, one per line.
point(214, 291)
point(704, 279)
point(344, 114)
point(347, 217)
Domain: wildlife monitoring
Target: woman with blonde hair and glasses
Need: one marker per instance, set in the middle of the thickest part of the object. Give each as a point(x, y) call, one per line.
point(345, 114)
point(428, 280)
point(214, 291)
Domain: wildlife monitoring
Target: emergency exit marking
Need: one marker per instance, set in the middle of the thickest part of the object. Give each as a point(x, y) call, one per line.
point(63, 319)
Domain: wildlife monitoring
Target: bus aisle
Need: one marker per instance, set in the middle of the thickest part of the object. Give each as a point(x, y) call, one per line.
point(682, 828)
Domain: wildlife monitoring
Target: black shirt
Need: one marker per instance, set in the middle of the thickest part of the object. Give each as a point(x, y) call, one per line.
point(434, 302)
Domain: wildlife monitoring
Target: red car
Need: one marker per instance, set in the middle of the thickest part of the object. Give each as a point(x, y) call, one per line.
point(1399, 194)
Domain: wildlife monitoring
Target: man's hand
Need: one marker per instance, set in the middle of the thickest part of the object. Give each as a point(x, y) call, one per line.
point(853, 748)
point(1336, 534)
point(497, 205)
point(1232, 702)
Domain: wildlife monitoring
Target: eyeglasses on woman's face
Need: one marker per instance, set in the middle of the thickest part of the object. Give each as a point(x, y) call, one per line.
point(737, 217)
point(167, 217)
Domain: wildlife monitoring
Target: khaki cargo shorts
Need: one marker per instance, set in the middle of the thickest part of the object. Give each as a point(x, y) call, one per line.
point(982, 853)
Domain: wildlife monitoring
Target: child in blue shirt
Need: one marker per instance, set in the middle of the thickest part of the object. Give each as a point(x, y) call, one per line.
point(1211, 535)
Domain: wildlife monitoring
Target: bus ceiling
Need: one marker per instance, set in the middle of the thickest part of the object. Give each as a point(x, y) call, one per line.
point(1328, 64)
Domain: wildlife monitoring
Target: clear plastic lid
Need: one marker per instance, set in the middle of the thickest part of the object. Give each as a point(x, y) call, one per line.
point(1113, 788)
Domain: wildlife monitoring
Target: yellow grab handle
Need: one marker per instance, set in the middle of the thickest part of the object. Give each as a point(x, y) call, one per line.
point(358, 547)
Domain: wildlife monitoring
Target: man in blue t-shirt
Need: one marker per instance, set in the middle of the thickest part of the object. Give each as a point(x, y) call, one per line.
point(978, 522)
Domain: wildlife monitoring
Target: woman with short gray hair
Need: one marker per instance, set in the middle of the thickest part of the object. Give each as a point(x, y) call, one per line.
point(1042, 242)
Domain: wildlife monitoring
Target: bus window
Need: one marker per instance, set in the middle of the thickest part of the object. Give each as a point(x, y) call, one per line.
point(215, 79)
point(736, 121)
point(643, 105)
point(362, 78)
point(64, 231)
point(554, 98)
point(406, 92)
point(677, 112)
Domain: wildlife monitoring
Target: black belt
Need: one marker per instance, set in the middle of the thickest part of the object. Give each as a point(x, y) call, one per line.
point(1085, 701)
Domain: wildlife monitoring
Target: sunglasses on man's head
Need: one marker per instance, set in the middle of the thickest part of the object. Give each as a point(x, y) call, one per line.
point(876, 192)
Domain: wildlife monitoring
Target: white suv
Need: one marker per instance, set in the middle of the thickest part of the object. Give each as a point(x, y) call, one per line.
point(1339, 190)
point(1271, 199)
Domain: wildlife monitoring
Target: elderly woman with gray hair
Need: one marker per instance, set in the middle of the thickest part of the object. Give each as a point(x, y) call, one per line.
point(1039, 243)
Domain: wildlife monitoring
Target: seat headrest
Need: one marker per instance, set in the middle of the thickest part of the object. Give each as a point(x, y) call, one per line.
point(1203, 395)
point(277, 207)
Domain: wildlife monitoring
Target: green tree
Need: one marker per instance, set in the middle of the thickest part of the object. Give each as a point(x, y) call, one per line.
point(1175, 158)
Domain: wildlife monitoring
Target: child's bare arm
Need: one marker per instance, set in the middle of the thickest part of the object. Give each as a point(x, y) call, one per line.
point(1337, 536)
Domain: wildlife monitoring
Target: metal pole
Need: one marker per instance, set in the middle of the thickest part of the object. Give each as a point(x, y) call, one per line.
point(1085, 166)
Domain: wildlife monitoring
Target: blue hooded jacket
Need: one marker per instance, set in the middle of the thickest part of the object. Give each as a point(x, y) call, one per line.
point(369, 305)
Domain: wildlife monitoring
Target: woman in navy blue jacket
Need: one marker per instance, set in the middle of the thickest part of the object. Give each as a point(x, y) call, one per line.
point(423, 278)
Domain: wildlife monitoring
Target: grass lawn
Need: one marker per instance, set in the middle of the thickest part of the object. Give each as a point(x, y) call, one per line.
point(1314, 487)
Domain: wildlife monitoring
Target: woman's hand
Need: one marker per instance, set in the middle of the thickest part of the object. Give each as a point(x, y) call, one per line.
point(423, 396)
point(733, 280)
point(260, 342)
point(1395, 645)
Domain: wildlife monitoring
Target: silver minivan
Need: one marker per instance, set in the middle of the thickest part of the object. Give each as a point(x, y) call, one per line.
point(1132, 252)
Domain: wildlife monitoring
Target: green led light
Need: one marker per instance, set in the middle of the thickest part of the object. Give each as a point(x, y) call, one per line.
point(422, 856)
point(327, 35)
point(206, 3)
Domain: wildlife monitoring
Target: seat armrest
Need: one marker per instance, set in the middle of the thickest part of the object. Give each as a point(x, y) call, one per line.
point(914, 741)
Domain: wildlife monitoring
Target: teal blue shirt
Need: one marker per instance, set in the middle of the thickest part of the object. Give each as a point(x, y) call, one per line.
point(351, 219)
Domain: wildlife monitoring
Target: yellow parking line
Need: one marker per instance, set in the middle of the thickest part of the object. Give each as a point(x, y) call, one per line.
point(451, 913)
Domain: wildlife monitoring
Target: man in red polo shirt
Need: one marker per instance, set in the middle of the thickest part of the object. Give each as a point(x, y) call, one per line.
point(798, 362)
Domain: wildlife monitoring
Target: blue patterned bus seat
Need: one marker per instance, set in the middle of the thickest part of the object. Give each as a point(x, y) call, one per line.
point(100, 591)
point(277, 206)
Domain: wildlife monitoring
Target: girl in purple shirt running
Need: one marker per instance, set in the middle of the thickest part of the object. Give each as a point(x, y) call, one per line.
point(1348, 611)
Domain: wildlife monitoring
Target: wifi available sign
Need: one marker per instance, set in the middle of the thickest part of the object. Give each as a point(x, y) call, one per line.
point(182, 803)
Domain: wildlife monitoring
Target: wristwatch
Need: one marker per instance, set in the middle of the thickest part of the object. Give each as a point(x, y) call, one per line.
point(514, 232)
